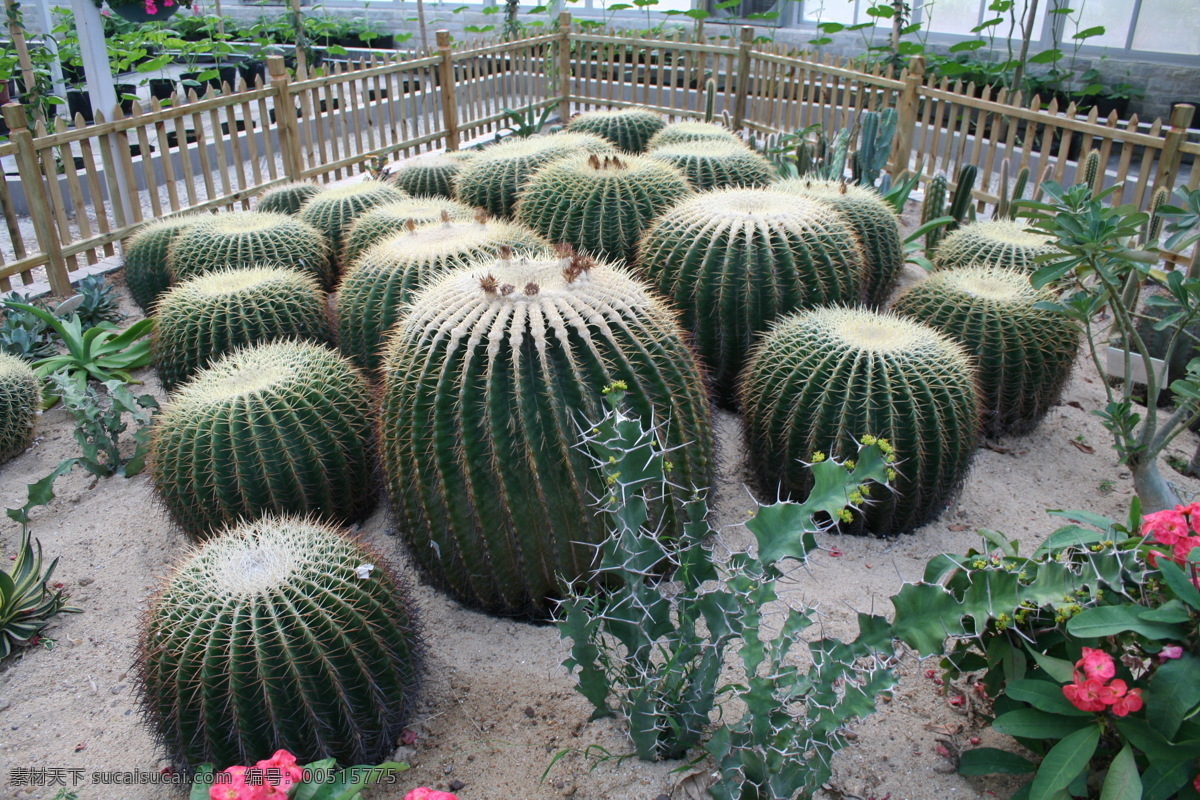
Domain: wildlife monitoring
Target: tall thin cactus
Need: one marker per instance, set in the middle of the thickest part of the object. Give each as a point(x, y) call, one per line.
point(1005, 205)
point(710, 100)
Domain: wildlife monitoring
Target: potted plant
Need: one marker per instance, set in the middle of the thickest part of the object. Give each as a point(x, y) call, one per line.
point(142, 11)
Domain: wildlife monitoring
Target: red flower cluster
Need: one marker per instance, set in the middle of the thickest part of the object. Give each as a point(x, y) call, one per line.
point(1175, 528)
point(425, 793)
point(1095, 689)
point(269, 779)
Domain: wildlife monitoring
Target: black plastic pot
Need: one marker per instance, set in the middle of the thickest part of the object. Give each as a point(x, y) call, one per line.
point(173, 137)
point(226, 75)
point(251, 70)
point(126, 103)
point(196, 85)
point(162, 88)
point(79, 102)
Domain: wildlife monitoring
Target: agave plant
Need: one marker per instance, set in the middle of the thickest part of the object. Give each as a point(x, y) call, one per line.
point(26, 604)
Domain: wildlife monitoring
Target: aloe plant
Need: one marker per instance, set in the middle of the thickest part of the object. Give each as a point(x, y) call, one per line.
point(27, 604)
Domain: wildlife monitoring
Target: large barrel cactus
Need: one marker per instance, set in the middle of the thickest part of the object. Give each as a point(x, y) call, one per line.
point(210, 315)
point(250, 239)
point(335, 209)
point(997, 243)
point(146, 272)
point(1023, 354)
point(376, 289)
point(691, 131)
point(288, 198)
point(280, 427)
point(430, 175)
point(874, 222)
point(734, 260)
point(716, 164)
point(486, 381)
point(598, 204)
point(382, 221)
point(822, 379)
point(282, 633)
point(492, 179)
point(20, 402)
point(630, 129)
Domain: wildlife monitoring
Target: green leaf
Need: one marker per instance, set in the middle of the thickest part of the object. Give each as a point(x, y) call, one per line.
point(1071, 536)
point(1102, 621)
point(1179, 583)
point(1164, 778)
point(1043, 695)
point(201, 783)
point(992, 761)
point(1170, 611)
point(1123, 781)
point(41, 492)
point(1046, 57)
point(1064, 762)
point(1088, 33)
point(1030, 723)
point(1173, 692)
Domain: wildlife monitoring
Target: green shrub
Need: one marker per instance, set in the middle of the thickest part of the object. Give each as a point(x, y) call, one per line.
point(250, 239)
point(716, 164)
point(431, 175)
point(1001, 243)
point(690, 131)
point(287, 199)
point(335, 209)
point(382, 222)
point(630, 129)
point(20, 403)
point(146, 269)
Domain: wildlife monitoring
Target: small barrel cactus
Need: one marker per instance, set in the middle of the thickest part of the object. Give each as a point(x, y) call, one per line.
point(282, 633)
point(600, 205)
point(630, 129)
point(1001, 243)
point(822, 379)
point(874, 222)
point(690, 131)
point(734, 260)
point(430, 175)
point(335, 209)
point(492, 179)
point(275, 427)
point(20, 401)
point(487, 379)
point(288, 198)
point(1023, 354)
point(379, 285)
point(250, 239)
point(212, 314)
point(146, 271)
point(383, 221)
point(716, 164)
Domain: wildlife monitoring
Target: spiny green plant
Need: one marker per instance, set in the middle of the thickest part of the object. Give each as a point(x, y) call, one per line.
point(691, 131)
point(1023, 353)
point(1092, 175)
point(250, 239)
point(382, 222)
point(872, 220)
point(1001, 243)
point(282, 633)
point(27, 603)
point(431, 175)
point(97, 302)
point(734, 260)
point(876, 129)
point(213, 314)
point(935, 211)
point(146, 272)
point(279, 427)
point(288, 198)
point(372, 296)
point(493, 178)
point(1008, 197)
point(22, 334)
point(818, 378)
point(600, 205)
point(630, 129)
point(20, 403)
point(487, 379)
point(714, 164)
point(335, 209)
point(99, 411)
point(710, 100)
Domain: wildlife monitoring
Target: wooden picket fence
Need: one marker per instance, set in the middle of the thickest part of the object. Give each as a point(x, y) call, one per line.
point(82, 190)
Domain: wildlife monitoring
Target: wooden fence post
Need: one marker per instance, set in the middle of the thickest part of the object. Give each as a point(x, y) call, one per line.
point(1168, 160)
point(906, 114)
point(564, 66)
point(743, 78)
point(35, 195)
point(449, 102)
point(285, 118)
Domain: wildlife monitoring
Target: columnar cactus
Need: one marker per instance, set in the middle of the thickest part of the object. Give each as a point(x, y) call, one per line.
point(335, 209)
point(873, 221)
point(734, 260)
point(210, 315)
point(819, 379)
point(716, 164)
point(691, 131)
point(487, 379)
point(1001, 243)
point(430, 175)
point(250, 239)
point(382, 222)
point(146, 271)
point(280, 427)
point(600, 205)
point(282, 633)
point(492, 178)
point(630, 129)
point(20, 401)
point(379, 285)
point(288, 198)
point(1023, 354)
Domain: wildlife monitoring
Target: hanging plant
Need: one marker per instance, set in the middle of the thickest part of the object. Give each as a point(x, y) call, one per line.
point(143, 10)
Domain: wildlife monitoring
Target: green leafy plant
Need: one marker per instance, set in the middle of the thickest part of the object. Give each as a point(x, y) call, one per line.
point(23, 334)
point(98, 303)
point(320, 780)
point(99, 412)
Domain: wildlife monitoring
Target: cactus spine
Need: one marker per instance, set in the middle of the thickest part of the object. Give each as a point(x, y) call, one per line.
point(716, 164)
point(335, 209)
point(630, 129)
point(146, 272)
point(430, 175)
point(250, 239)
point(995, 243)
point(287, 199)
point(20, 402)
point(382, 222)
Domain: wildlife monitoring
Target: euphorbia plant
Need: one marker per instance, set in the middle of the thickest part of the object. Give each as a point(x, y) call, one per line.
point(281, 778)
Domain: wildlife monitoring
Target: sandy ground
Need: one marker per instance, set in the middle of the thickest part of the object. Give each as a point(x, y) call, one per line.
point(497, 705)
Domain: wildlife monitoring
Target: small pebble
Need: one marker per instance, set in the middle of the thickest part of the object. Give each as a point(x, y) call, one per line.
point(86, 581)
point(456, 785)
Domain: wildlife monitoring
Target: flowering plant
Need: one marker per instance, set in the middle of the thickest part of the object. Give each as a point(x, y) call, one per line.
point(1088, 649)
point(281, 778)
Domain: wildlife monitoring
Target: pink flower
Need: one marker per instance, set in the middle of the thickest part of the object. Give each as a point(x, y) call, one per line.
point(1097, 664)
point(104, 12)
point(425, 793)
point(1166, 526)
point(241, 786)
point(1171, 651)
point(281, 771)
point(1085, 695)
point(1128, 704)
point(1110, 694)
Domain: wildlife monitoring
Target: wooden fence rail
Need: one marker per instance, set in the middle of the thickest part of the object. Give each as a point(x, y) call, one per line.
point(81, 191)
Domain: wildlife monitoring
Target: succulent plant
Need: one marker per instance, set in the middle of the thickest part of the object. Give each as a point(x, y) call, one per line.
point(250, 239)
point(282, 633)
point(493, 177)
point(374, 292)
point(382, 222)
point(873, 221)
point(146, 272)
point(691, 131)
point(716, 164)
point(941, 202)
point(213, 314)
point(733, 260)
point(820, 378)
point(288, 198)
point(1001, 243)
point(279, 427)
point(335, 209)
point(431, 175)
point(1023, 354)
point(20, 402)
point(600, 205)
point(487, 379)
point(29, 604)
point(630, 129)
